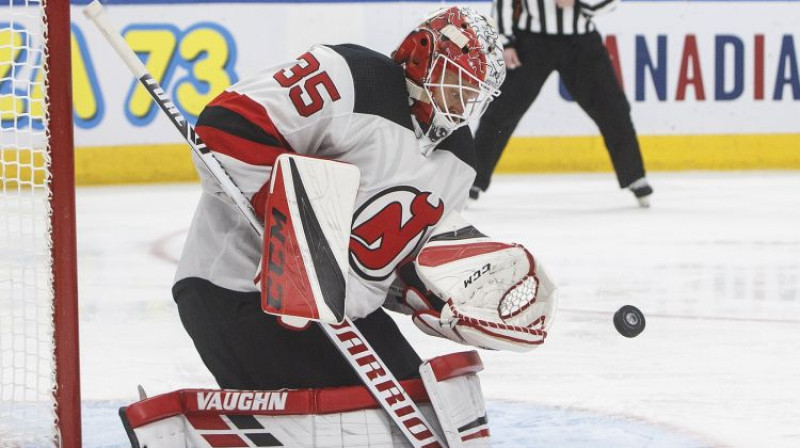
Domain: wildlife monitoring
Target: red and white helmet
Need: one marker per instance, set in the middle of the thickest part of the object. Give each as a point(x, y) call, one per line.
point(454, 67)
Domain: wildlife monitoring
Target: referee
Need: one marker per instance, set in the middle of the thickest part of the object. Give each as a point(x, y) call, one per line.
point(542, 36)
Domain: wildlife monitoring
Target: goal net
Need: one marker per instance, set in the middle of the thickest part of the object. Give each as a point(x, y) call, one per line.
point(39, 404)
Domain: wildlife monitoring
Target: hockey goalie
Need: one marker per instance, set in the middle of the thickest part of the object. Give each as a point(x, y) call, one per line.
point(356, 166)
point(462, 285)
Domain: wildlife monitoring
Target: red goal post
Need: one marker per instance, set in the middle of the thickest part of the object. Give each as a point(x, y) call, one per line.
point(39, 361)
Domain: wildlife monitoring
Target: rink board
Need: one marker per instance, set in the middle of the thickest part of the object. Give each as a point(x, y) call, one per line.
point(702, 77)
point(133, 164)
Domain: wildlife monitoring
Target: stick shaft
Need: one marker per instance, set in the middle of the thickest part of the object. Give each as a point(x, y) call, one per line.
point(346, 337)
point(97, 14)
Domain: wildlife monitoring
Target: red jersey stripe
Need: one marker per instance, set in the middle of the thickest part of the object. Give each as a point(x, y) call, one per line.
point(239, 148)
point(250, 110)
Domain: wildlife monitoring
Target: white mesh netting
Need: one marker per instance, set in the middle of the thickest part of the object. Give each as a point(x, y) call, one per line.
point(27, 374)
point(518, 298)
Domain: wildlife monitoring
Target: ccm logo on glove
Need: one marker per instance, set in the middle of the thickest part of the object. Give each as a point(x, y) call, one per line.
point(477, 274)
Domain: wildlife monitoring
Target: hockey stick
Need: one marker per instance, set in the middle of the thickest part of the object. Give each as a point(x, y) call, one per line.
point(345, 336)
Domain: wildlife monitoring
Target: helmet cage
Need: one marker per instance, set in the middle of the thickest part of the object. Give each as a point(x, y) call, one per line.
point(458, 98)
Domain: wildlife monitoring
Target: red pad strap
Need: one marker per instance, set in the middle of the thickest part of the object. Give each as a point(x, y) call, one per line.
point(456, 364)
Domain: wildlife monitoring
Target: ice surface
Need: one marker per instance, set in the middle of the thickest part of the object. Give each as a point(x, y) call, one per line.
point(714, 265)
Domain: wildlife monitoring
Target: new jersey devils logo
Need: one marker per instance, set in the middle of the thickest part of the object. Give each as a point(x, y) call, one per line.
point(388, 228)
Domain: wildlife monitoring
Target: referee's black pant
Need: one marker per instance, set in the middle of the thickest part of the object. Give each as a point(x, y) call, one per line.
point(586, 70)
point(247, 349)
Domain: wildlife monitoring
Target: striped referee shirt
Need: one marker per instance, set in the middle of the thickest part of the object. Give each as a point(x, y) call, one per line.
point(545, 17)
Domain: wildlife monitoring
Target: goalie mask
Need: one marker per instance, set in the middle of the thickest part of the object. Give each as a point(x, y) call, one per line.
point(454, 67)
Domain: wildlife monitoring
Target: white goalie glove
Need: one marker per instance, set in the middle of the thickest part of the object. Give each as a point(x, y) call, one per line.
point(477, 291)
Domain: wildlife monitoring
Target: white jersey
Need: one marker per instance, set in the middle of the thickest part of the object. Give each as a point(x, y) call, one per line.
point(346, 103)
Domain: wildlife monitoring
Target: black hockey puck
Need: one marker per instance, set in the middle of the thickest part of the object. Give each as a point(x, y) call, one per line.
point(629, 321)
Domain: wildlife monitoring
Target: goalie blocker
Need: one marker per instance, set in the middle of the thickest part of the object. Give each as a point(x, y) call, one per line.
point(308, 215)
point(307, 418)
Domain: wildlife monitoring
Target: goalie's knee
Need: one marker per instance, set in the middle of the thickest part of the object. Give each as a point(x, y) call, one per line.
point(455, 393)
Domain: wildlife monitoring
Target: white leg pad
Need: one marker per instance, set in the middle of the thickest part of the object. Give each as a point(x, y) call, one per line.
point(167, 433)
point(346, 417)
point(455, 392)
point(370, 428)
